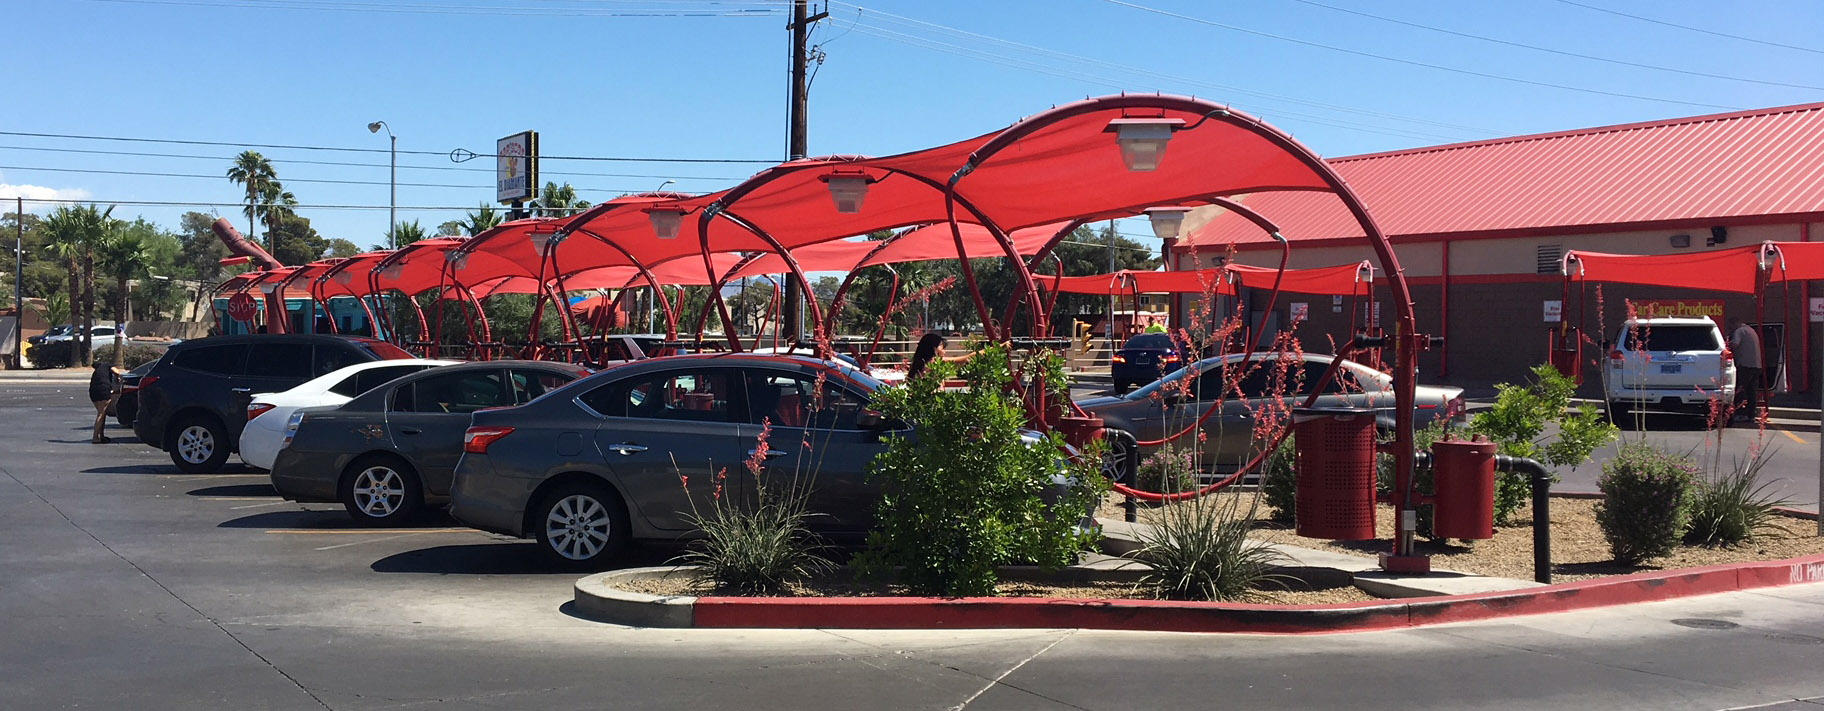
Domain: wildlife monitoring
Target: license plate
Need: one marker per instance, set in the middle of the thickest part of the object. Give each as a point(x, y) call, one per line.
point(1670, 368)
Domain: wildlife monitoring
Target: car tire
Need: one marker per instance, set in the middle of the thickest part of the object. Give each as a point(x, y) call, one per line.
point(1621, 415)
point(1121, 388)
point(381, 490)
point(199, 445)
point(581, 525)
point(1115, 463)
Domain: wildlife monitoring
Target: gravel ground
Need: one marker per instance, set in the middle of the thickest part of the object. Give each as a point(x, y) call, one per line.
point(1579, 551)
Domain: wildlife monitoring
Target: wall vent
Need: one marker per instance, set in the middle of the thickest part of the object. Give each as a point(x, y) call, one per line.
point(1549, 257)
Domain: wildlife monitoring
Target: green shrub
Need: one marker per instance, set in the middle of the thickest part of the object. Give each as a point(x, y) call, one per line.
point(1168, 470)
point(137, 354)
point(54, 354)
point(1732, 508)
point(1517, 423)
point(1279, 482)
point(966, 492)
point(1198, 549)
point(1646, 502)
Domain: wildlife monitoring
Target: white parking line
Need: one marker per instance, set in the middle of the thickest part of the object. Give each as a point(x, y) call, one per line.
point(255, 506)
point(370, 540)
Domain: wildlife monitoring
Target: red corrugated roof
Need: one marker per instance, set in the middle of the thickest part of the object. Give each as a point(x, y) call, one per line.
point(1723, 167)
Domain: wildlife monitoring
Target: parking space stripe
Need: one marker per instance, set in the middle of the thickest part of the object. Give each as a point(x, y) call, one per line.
point(362, 531)
point(1795, 438)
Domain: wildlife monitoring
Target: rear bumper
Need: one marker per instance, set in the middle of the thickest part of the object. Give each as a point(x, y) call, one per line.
point(305, 477)
point(1671, 397)
point(481, 499)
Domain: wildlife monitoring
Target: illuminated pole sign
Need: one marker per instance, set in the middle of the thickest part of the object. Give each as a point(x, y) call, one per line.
point(516, 167)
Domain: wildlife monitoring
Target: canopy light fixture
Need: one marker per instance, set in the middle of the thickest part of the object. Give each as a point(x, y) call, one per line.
point(848, 190)
point(542, 241)
point(665, 221)
point(269, 287)
point(459, 259)
point(1143, 140)
point(1167, 221)
point(393, 271)
point(344, 277)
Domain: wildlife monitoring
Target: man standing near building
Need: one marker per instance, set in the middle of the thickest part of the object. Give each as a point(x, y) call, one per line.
point(1745, 344)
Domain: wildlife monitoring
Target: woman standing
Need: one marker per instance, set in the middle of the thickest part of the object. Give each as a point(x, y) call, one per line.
point(104, 386)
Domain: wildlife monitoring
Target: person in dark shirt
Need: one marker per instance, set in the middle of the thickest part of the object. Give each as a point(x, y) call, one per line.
point(104, 386)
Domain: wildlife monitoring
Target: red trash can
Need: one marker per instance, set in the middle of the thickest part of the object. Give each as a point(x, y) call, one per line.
point(1463, 475)
point(1336, 473)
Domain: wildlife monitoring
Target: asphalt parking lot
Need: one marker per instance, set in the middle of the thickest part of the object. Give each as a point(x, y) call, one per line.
point(126, 584)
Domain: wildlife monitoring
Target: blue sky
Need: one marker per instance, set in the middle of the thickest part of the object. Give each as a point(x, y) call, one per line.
point(655, 79)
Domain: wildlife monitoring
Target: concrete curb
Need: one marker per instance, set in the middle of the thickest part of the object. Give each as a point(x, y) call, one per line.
point(1173, 616)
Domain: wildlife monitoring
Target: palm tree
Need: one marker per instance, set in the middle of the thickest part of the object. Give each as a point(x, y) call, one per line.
point(406, 233)
point(253, 172)
point(484, 218)
point(558, 201)
point(75, 232)
point(275, 205)
point(122, 254)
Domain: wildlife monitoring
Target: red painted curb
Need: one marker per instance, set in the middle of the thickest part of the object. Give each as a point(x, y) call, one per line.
point(1166, 615)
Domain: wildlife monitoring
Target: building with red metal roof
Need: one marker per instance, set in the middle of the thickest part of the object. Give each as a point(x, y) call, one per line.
point(1480, 226)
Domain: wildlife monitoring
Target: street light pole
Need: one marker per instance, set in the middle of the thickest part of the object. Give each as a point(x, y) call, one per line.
point(392, 203)
point(18, 285)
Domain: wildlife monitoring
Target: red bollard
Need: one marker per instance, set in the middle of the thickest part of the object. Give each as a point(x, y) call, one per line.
point(1335, 465)
point(1463, 475)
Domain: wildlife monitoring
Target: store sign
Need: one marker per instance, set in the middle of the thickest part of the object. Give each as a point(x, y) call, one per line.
point(1681, 308)
point(1301, 310)
point(516, 167)
point(1336, 303)
point(1817, 309)
point(1554, 311)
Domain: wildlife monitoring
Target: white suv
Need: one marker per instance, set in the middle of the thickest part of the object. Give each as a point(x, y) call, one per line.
point(1668, 364)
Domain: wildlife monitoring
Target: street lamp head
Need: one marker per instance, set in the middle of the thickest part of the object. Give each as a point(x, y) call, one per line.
point(375, 126)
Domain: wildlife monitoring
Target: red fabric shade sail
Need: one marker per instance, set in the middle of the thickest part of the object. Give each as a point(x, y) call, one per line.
point(1342, 279)
point(1732, 270)
point(1795, 261)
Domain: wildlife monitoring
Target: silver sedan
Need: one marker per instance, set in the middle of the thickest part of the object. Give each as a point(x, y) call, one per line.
point(1254, 393)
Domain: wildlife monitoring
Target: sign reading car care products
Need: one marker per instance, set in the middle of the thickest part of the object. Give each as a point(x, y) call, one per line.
point(1680, 308)
point(516, 167)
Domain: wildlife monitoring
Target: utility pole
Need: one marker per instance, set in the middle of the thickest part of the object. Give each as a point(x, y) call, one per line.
point(798, 141)
point(18, 282)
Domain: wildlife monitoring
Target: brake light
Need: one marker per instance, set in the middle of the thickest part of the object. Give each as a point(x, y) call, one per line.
point(147, 381)
point(1169, 358)
point(1118, 358)
point(257, 409)
point(477, 439)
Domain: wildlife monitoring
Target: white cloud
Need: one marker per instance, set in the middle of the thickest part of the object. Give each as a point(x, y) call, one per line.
point(8, 192)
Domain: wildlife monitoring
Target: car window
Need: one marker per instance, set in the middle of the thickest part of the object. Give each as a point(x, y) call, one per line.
point(704, 396)
point(220, 360)
point(332, 357)
point(787, 399)
point(1672, 338)
point(529, 384)
point(279, 360)
point(462, 393)
point(371, 378)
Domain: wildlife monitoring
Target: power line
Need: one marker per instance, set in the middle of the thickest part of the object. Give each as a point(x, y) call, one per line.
point(324, 5)
point(370, 150)
point(1548, 50)
point(236, 205)
point(358, 165)
point(1619, 13)
point(1411, 62)
point(155, 174)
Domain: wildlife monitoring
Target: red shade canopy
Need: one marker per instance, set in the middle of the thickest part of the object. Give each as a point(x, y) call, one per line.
point(1126, 281)
point(1795, 261)
point(1720, 270)
point(1342, 279)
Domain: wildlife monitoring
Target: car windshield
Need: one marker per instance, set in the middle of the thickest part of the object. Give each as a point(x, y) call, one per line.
point(1152, 341)
point(1672, 337)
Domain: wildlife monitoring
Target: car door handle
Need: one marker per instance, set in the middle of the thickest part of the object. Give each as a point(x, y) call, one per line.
point(626, 448)
point(769, 453)
point(410, 430)
point(242, 391)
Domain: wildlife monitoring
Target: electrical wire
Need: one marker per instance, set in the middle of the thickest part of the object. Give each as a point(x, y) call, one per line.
point(235, 205)
point(1413, 62)
point(422, 9)
point(325, 181)
point(359, 165)
point(1713, 33)
point(1549, 50)
point(232, 144)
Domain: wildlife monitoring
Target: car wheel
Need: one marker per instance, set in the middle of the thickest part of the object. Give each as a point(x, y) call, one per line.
point(1120, 388)
point(1117, 463)
point(382, 491)
point(1621, 415)
point(199, 445)
point(581, 525)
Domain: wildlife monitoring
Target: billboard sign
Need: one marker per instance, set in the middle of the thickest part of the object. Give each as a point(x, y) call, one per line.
point(1687, 308)
point(516, 167)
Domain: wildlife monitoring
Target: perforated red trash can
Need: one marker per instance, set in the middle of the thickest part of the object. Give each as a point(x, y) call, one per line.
point(1463, 475)
point(1335, 465)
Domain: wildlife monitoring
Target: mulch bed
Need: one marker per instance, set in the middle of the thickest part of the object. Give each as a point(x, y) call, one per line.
point(839, 583)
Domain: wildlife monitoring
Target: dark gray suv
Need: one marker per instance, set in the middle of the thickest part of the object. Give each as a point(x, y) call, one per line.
point(627, 453)
point(193, 404)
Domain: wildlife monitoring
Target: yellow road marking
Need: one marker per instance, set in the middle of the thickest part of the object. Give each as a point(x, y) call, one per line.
point(362, 531)
point(1795, 438)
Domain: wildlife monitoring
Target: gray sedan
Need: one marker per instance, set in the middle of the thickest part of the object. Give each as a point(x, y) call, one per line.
point(1262, 389)
point(389, 453)
point(631, 452)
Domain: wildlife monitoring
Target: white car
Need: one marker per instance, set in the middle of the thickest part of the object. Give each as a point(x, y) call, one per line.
point(888, 375)
point(268, 412)
point(1668, 364)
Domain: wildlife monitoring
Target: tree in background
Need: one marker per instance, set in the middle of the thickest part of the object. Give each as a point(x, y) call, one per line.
point(123, 254)
point(406, 233)
point(296, 241)
point(558, 201)
point(341, 248)
point(450, 228)
point(275, 207)
point(199, 256)
point(253, 172)
point(76, 232)
point(484, 218)
point(44, 276)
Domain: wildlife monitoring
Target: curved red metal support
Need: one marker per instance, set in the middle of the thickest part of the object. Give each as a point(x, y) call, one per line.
point(671, 315)
point(820, 342)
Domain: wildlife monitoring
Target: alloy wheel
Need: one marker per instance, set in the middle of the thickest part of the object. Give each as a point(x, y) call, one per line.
point(379, 491)
point(577, 527)
point(196, 444)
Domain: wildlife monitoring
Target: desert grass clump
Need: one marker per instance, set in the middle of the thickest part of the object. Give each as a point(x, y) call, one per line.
point(1198, 549)
point(1646, 506)
point(1733, 507)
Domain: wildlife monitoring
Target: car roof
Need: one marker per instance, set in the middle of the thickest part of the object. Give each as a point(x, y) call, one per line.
point(1673, 321)
point(273, 337)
